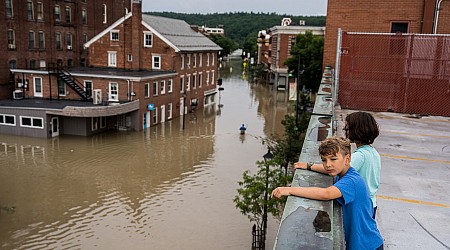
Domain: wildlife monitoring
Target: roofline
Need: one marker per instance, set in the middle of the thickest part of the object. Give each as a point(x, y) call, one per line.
point(133, 78)
point(30, 71)
point(160, 36)
point(105, 31)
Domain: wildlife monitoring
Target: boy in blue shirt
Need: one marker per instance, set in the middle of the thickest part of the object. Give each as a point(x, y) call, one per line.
point(350, 190)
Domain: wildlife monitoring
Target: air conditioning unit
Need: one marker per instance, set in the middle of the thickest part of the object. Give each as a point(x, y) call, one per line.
point(97, 96)
point(69, 47)
point(18, 94)
point(11, 46)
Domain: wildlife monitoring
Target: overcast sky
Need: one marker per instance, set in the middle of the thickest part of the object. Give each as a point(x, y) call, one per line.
point(293, 7)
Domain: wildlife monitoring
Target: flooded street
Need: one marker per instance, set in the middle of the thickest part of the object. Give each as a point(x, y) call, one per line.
point(163, 188)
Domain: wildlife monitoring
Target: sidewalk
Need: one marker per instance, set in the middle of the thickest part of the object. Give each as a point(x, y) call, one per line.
point(414, 194)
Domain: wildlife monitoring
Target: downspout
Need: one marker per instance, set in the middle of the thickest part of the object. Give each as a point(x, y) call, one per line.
point(436, 15)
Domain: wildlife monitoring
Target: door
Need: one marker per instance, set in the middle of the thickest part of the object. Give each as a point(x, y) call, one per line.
point(55, 126)
point(37, 86)
point(113, 92)
point(163, 113)
point(181, 106)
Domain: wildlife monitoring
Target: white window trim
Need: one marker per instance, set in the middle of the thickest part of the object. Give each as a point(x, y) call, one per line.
point(32, 118)
point(105, 13)
point(169, 111)
point(182, 84)
point(188, 82)
point(162, 87)
point(200, 79)
point(194, 81)
point(182, 61)
point(153, 62)
point(4, 120)
point(112, 63)
point(147, 95)
point(155, 91)
point(170, 86)
point(151, 39)
point(111, 35)
point(200, 63)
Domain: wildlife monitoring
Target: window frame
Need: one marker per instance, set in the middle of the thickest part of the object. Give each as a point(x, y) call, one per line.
point(112, 34)
point(9, 11)
point(155, 88)
point(40, 11)
point(170, 86)
point(148, 37)
point(30, 12)
point(32, 121)
point(57, 13)
point(112, 59)
point(4, 123)
point(156, 64)
point(162, 87)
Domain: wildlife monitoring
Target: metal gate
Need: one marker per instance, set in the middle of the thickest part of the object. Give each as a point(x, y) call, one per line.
point(404, 73)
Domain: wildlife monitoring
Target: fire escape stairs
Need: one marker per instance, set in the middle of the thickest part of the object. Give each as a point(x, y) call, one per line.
point(73, 84)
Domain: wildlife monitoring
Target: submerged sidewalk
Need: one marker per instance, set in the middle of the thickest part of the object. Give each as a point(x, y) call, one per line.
point(414, 194)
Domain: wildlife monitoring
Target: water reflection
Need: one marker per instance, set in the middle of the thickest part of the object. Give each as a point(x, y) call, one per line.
point(164, 188)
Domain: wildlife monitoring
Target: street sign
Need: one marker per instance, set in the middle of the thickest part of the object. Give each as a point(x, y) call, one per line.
point(151, 107)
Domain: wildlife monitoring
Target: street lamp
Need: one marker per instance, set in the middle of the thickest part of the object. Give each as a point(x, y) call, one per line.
point(267, 157)
point(184, 107)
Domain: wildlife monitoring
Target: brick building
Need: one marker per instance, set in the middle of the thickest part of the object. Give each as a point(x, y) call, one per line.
point(142, 70)
point(37, 34)
point(406, 16)
point(282, 38)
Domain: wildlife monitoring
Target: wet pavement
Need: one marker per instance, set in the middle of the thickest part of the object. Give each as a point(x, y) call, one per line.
point(413, 198)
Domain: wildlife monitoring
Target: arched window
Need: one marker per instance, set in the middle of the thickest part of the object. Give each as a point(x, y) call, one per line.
point(104, 11)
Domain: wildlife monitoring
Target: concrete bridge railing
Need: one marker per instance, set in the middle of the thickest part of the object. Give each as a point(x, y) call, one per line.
point(305, 223)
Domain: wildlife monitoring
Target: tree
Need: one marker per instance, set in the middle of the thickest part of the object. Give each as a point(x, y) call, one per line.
point(226, 43)
point(310, 50)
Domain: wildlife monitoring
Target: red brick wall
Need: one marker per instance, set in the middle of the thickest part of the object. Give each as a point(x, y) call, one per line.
point(375, 16)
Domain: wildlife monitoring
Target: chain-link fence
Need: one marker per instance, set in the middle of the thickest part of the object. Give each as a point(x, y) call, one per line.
point(405, 73)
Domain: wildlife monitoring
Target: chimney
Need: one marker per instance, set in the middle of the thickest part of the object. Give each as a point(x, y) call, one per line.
point(137, 39)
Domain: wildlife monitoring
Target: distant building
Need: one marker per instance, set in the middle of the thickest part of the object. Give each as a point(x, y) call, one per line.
point(215, 31)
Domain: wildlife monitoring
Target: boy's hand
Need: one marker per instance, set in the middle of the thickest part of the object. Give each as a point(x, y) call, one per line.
point(300, 165)
point(280, 192)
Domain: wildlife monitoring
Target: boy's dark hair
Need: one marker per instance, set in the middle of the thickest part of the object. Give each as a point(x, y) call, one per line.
point(361, 127)
point(335, 145)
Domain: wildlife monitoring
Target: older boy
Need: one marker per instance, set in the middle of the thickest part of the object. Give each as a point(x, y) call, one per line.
point(350, 191)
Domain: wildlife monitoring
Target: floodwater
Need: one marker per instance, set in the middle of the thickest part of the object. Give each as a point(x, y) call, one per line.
point(163, 188)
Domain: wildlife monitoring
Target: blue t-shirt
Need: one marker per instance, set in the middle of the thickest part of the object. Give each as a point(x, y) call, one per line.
point(367, 162)
point(360, 228)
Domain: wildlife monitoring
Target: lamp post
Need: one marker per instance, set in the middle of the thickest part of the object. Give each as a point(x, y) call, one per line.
point(267, 157)
point(184, 107)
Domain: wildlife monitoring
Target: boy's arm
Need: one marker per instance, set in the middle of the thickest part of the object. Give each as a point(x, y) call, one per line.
point(314, 193)
point(314, 167)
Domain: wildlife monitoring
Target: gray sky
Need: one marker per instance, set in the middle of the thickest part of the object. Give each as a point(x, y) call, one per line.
point(294, 7)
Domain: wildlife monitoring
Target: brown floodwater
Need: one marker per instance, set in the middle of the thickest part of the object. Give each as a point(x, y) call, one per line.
point(162, 188)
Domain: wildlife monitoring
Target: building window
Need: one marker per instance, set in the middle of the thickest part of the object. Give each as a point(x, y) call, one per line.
point(130, 57)
point(169, 111)
point(200, 79)
point(194, 81)
point(31, 122)
point(58, 40)
point(9, 8)
point(32, 64)
point(155, 88)
point(68, 14)
point(163, 87)
point(104, 13)
point(148, 39)
point(188, 62)
point(12, 65)
point(212, 77)
point(156, 62)
point(69, 62)
point(200, 58)
point(40, 11)
point(88, 88)
point(84, 16)
point(188, 82)
point(147, 90)
point(194, 62)
point(399, 27)
point(69, 41)
point(207, 78)
point(112, 58)
point(31, 39)
point(213, 58)
point(170, 86)
point(181, 84)
point(85, 38)
point(113, 91)
point(114, 35)
point(30, 11)
point(8, 120)
point(41, 42)
point(182, 61)
point(57, 13)
point(94, 123)
point(61, 88)
point(155, 116)
point(11, 39)
point(207, 59)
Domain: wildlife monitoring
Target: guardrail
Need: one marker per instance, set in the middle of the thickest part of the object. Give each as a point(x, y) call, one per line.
point(305, 223)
